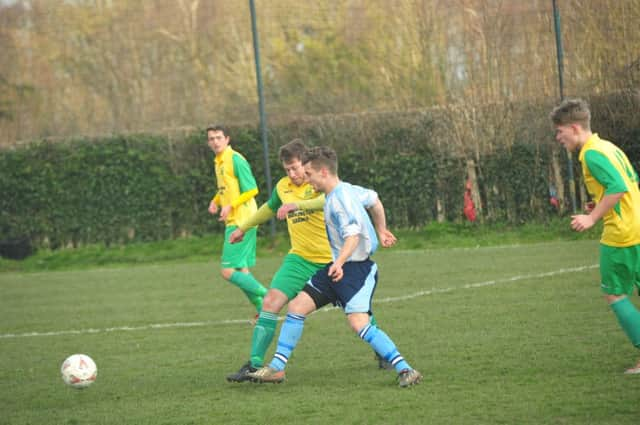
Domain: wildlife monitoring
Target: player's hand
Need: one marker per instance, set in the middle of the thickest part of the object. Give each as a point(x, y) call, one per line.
point(213, 208)
point(387, 239)
point(224, 212)
point(581, 222)
point(236, 236)
point(335, 272)
point(285, 209)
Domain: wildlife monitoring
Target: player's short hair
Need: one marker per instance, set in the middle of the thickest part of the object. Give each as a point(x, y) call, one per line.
point(217, 127)
point(292, 150)
point(572, 111)
point(322, 156)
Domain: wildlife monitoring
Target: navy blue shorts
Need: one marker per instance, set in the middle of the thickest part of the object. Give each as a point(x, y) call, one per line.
point(353, 293)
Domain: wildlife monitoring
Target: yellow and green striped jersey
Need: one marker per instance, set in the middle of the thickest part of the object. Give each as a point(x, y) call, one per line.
point(306, 228)
point(607, 170)
point(234, 178)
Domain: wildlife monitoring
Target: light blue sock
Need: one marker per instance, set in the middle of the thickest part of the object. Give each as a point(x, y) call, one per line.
point(289, 336)
point(384, 346)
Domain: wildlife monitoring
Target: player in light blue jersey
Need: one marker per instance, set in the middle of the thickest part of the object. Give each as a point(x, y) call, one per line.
point(345, 215)
point(349, 281)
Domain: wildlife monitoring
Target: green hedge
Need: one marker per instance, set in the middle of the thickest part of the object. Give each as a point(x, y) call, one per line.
point(141, 188)
point(154, 187)
point(108, 190)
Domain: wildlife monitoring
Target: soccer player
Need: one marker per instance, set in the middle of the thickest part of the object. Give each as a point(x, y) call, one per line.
point(350, 280)
point(234, 201)
point(613, 185)
point(295, 200)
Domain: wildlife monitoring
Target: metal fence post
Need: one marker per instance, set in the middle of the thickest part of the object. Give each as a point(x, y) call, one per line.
point(560, 59)
point(263, 120)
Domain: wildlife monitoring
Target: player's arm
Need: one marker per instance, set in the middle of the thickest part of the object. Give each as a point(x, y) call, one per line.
point(213, 205)
point(264, 213)
point(350, 230)
point(387, 239)
point(371, 201)
point(582, 222)
point(313, 204)
point(244, 197)
point(350, 244)
point(246, 182)
point(615, 188)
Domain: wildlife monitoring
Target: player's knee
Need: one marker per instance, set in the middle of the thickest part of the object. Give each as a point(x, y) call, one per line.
point(296, 306)
point(302, 304)
point(273, 303)
point(358, 321)
point(613, 298)
point(226, 273)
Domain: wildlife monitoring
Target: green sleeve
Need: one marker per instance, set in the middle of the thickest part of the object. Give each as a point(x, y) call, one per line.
point(604, 172)
point(242, 171)
point(274, 201)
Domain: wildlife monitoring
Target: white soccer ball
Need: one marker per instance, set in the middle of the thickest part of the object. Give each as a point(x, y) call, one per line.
point(79, 371)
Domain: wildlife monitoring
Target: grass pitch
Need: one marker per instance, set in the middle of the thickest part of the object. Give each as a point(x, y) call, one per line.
point(513, 334)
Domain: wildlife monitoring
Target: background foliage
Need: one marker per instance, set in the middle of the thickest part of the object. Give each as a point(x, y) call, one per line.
point(97, 67)
point(102, 103)
point(143, 187)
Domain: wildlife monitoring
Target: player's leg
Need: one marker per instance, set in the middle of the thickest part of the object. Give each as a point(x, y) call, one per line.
point(262, 334)
point(285, 286)
point(620, 273)
point(290, 334)
point(236, 260)
point(355, 292)
point(308, 300)
point(382, 363)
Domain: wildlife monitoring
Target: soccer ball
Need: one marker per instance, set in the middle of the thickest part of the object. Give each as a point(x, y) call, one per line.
point(79, 371)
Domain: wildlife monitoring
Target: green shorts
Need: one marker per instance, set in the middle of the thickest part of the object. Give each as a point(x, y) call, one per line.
point(293, 274)
point(242, 254)
point(619, 269)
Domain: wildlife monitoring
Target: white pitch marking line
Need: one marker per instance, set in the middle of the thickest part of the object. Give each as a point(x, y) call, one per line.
point(238, 321)
point(487, 283)
point(125, 328)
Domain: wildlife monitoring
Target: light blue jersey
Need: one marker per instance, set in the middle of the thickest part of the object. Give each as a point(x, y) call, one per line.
point(345, 215)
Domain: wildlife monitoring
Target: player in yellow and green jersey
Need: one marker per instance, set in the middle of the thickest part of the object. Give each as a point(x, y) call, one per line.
point(234, 201)
point(612, 183)
point(295, 200)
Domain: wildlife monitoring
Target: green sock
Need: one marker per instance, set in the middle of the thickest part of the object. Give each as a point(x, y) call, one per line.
point(262, 336)
point(629, 318)
point(256, 300)
point(250, 286)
